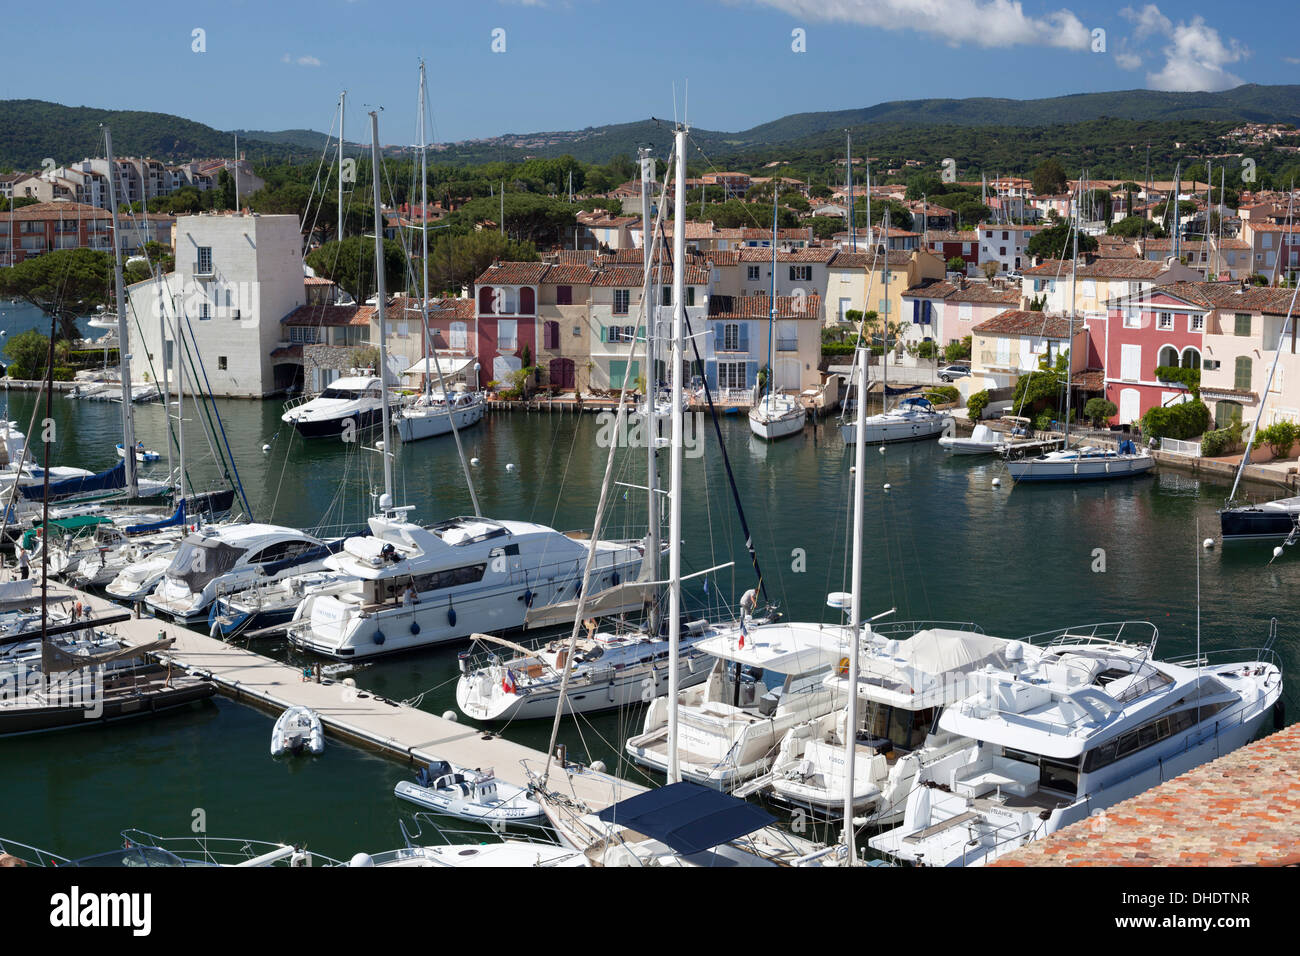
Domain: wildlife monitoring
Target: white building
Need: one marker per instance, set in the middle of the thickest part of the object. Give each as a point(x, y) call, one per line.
point(236, 277)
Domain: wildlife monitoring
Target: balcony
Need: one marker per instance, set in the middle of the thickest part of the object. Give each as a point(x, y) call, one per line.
point(204, 270)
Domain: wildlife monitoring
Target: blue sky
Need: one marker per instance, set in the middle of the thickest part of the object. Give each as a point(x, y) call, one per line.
point(277, 64)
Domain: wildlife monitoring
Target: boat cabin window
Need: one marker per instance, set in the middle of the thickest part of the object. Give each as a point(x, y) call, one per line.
point(281, 551)
point(905, 729)
point(1153, 731)
point(346, 394)
point(394, 588)
point(1060, 776)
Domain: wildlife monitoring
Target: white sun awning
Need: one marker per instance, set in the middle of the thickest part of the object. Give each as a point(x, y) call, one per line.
point(450, 365)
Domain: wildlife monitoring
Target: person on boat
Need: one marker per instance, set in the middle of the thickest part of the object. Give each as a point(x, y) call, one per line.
point(24, 564)
point(409, 596)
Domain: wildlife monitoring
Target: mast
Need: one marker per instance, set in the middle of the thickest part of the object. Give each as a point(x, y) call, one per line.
point(650, 421)
point(1172, 203)
point(848, 173)
point(166, 385)
point(123, 333)
point(771, 313)
point(884, 355)
point(1069, 345)
point(871, 231)
point(338, 234)
point(238, 206)
point(387, 500)
point(675, 452)
point(855, 606)
point(424, 248)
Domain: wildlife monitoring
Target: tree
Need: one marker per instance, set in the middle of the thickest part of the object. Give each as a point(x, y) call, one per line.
point(456, 261)
point(1130, 227)
point(1099, 410)
point(29, 353)
point(1056, 242)
point(990, 268)
point(542, 220)
point(957, 264)
point(1049, 177)
point(824, 227)
point(66, 283)
point(351, 264)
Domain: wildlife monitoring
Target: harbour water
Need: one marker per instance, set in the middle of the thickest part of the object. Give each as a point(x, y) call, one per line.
point(942, 544)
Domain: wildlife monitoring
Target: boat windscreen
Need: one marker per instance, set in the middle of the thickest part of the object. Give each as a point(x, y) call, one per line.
point(346, 394)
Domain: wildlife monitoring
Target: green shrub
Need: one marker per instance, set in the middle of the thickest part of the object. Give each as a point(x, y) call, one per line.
point(1099, 409)
point(957, 264)
point(976, 404)
point(837, 348)
point(1222, 441)
point(955, 351)
point(63, 374)
point(1044, 420)
point(1177, 421)
point(1280, 436)
point(925, 350)
point(1191, 377)
point(943, 395)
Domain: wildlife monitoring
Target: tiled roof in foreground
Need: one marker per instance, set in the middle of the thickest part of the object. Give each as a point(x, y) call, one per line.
point(1240, 810)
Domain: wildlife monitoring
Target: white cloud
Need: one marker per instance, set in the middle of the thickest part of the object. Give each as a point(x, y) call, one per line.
point(1196, 57)
point(986, 23)
point(1294, 60)
point(1128, 61)
point(300, 60)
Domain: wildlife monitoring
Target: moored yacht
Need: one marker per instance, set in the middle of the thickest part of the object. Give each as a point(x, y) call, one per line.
point(415, 586)
point(777, 416)
point(1076, 721)
point(903, 685)
point(358, 399)
point(913, 419)
point(433, 414)
point(732, 724)
point(1087, 463)
point(1272, 519)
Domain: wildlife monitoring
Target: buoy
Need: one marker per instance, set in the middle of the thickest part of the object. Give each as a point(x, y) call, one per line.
point(266, 447)
point(510, 466)
point(1277, 552)
point(881, 449)
point(379, 445)
point(450, 715)
point(474, 462)
point(997, 482)
point(886, 486)
point(853, 469)
point(1207, 543)
point(598, 766)
point(361, 859)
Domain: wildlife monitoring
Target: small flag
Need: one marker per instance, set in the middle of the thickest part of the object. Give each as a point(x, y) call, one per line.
point(743, 632)
point(706, 585)
point(508, 682)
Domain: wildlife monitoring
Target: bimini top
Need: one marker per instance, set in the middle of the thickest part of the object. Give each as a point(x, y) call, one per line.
point(790, 648)
point(688, 817)
point(925, 669)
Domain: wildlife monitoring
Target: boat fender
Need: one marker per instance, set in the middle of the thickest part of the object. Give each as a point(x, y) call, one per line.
point(843, 666)
point(1279, 714)
point(613, 578)
point(527, 597)
point(379, 637)
point(451, 615)
point(415, 627)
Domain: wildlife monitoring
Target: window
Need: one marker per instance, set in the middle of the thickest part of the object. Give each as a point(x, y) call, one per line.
point(204, 265)
point(1196, 323)
point(751, 273)
point(564, 295)
point(221, 363)
point(1004, 236)
point(1241, 324)
point(1130, 363)
point(1132, 319)
point(1165, 321)
point(667, 298)
point(507, 334)
point(801, 273)
point(731, 375)
point(458, 335)
point(303, 334)
point(622, 298)
point(551, 332)
point(205, 311)
point(1225, 413)
point(1002, 250)
point(620, 333)
point(731, 337)
point(1241, 373)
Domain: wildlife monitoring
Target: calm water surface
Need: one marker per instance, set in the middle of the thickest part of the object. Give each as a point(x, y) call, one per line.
point(942, 544)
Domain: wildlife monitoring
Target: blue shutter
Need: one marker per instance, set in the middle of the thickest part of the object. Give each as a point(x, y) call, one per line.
point(916, 311)
point(929, 313)
point(743, 340)
point(711, 376)
point(751, 374)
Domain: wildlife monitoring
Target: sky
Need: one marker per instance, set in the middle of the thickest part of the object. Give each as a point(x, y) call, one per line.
point(519, 66)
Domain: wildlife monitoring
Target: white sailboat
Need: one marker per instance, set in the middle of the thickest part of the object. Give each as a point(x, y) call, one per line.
point(775, 415)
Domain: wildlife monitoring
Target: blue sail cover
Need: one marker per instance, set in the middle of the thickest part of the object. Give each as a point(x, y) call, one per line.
point(209, 504)
point(688, 817)
point(111, 480)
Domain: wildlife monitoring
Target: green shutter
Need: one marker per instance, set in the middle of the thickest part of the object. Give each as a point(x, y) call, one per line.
point(1241, 379)
point(1242, 325)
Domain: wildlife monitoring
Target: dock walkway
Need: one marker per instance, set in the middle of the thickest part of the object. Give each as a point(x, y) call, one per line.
point(400, 731)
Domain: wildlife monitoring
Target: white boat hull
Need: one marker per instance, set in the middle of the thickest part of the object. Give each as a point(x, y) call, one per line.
point(1079, 469)
point(770, 429)
point(515, 807)
point(891, 429)
point(417, 423)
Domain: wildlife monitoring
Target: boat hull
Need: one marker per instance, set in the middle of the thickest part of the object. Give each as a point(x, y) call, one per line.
point(878, 433)
point(1100, 469)
point(772, 429)
point(1243, 524)
point(432, 425)
point(332, 427)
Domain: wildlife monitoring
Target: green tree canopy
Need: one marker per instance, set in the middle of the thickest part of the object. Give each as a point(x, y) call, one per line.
point(457, 260)
point(66, 283)
point(351, 264)
point(1049, 177)
point(1057, 243)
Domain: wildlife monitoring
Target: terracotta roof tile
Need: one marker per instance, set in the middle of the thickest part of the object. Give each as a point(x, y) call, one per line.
point(512, 273)
point(760, 307)
point(1017, 322)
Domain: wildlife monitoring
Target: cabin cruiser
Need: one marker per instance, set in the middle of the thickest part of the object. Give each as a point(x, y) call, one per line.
point(1076, 721)
point(1272, 519)
point(432, 415)
point(777, 416)
point(412, 586)
point(1087, 463)
point(227, 558)
point(731, 725)
point(609, 669)
point(265, 603)
point(903, 685)
point(912, 419)
point(357, 399)
point(981, 441)
point(137, 580)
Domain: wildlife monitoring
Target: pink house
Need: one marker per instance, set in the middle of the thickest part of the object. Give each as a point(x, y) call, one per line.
point(505, 315)
point(1145, 331)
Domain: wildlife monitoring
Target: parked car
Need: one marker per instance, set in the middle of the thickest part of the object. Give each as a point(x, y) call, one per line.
point(953, 371)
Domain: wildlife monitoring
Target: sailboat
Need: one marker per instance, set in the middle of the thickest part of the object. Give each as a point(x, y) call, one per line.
point(775, 415)
point(447, 410)
point(913, 419)
point(1087, 462)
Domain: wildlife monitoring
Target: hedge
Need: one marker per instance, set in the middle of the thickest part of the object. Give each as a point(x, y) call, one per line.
point(976, 404)
point(1221, 441)
point(1186, 420)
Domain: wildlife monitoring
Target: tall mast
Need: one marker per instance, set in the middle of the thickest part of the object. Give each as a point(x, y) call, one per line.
point(380, 295)
point(238, 207)
point(871, 230)
point(1069, 345)
point(424, 246)
point(166, 384)
point(123, 334)
point(338, 234)
point(848, 172)
point(771, 314)
point(855, 605)
point(1172, 204)
point(884, 355)
point(650, 421)
point(675, 451)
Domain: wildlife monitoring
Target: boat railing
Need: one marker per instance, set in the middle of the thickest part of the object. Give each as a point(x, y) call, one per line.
point(520, 831)
point(299, 400)
point(229, 851)
point(1231, 655)
point(892, 628)
point(1140, 634)
point(29, 855)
